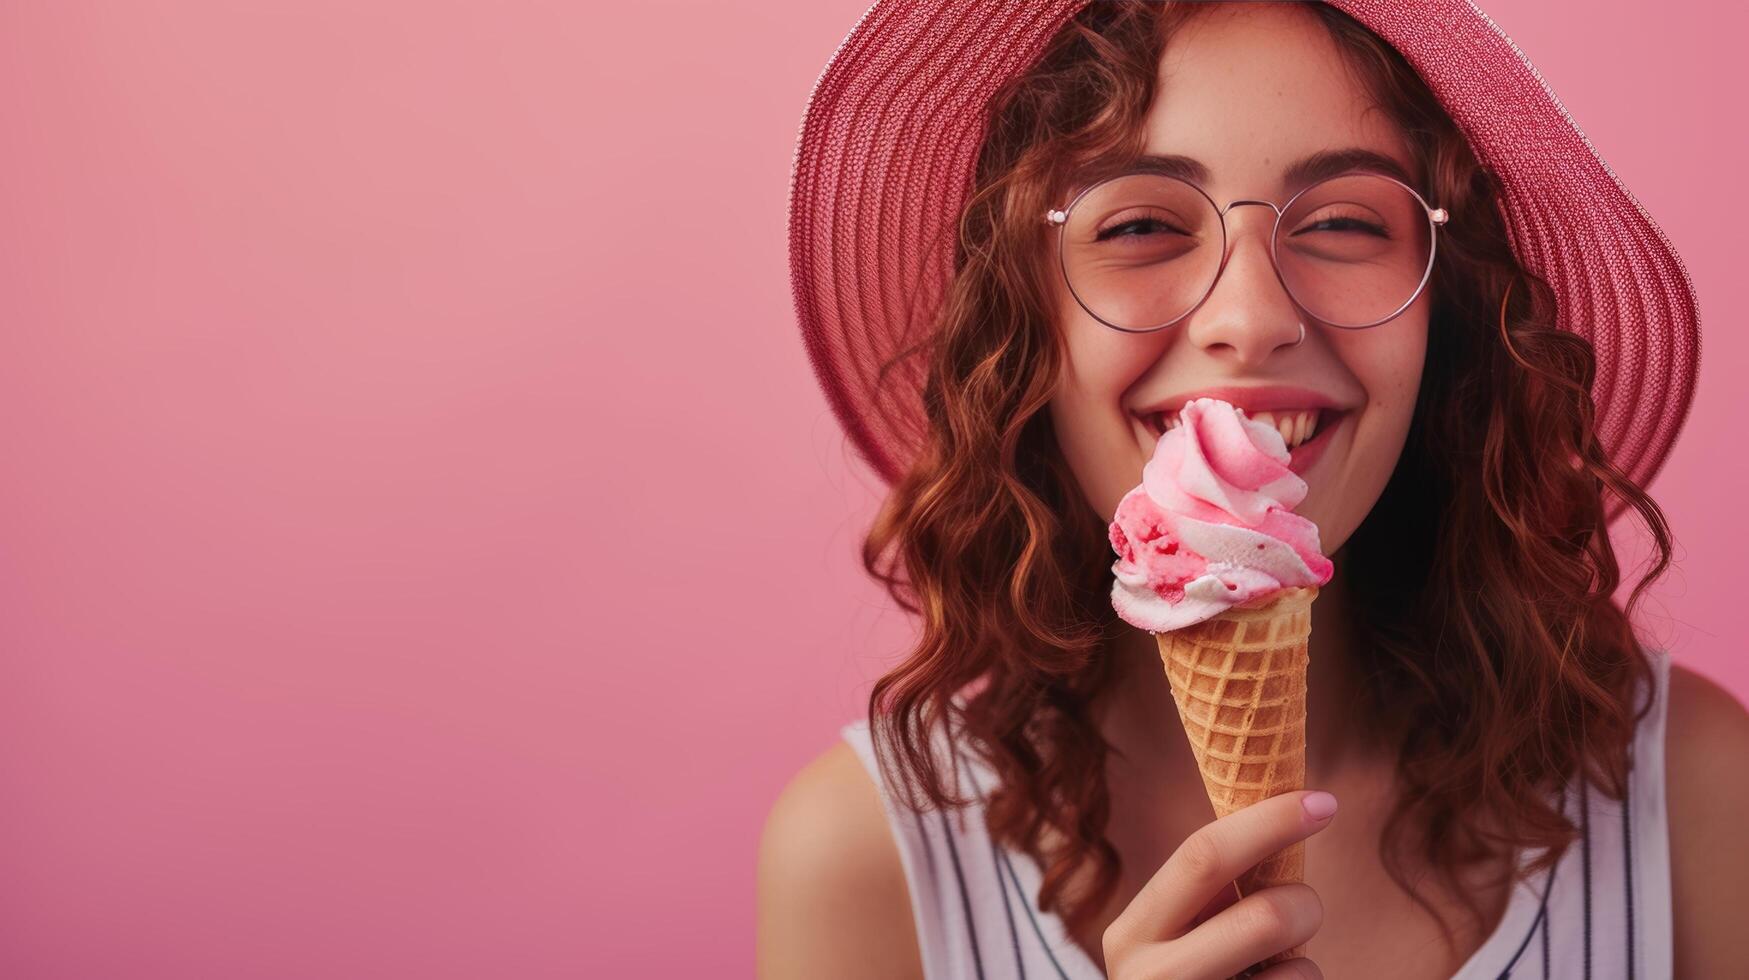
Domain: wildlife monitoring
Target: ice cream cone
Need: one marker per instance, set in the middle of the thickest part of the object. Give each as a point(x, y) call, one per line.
point(1214, 562)
point(1239, 679)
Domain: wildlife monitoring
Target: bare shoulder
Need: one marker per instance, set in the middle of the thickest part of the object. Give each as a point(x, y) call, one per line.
point(1705, 720)
point(1706, 753)
point(832, 896)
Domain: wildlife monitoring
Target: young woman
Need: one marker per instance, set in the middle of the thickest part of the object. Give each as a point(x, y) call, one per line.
point(1021, 800)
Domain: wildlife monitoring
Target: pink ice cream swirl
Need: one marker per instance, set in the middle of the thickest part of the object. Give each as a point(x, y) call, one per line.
point(1212, 523)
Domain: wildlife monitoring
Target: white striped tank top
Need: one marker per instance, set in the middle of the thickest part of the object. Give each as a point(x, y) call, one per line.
point(1602, 912)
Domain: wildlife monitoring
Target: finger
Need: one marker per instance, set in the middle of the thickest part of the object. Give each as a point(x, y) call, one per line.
point(1249, 931)
point(1209, 860)
point(1228, 894)
point(1299, 968)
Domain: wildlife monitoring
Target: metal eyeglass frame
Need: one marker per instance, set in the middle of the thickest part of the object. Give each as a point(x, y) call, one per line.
point(1436, 217)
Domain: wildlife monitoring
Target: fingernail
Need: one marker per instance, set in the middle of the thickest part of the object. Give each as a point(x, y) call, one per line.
point(1319, 805)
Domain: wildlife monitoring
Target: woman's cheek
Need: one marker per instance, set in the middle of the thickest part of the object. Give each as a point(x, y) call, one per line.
point(1389, 367)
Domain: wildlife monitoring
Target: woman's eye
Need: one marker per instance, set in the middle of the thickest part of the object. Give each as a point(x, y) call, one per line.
point(1137, 228)
point(1345, 225)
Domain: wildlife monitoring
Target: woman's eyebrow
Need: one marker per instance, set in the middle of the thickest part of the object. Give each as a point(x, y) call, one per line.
point(1301, 173)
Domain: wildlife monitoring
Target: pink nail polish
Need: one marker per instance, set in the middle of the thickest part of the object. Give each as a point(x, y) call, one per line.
point(1319, 805)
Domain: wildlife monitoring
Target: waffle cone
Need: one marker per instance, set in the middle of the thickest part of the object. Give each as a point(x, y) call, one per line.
point(1239, 679)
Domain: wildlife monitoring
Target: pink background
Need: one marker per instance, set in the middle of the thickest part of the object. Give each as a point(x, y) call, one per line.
point(423, 548)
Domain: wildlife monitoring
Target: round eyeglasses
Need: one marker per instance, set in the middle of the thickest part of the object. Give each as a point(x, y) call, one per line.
point(1141, 251)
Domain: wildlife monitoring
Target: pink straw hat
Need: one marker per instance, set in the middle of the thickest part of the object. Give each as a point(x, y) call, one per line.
point(884, 163)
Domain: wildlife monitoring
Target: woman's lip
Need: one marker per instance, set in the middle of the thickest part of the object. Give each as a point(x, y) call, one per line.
point(1302, 456)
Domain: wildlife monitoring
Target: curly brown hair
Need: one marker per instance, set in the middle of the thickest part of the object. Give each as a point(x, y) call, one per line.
point(1482, 580)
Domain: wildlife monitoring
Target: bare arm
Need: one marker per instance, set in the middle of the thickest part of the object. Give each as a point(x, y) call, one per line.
point(1707, 788)
point(832, 895)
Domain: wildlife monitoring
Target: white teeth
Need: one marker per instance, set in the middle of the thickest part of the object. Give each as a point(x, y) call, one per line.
point(1295, 427)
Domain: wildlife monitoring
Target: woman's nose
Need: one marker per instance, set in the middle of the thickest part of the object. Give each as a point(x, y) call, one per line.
point(1249, 314)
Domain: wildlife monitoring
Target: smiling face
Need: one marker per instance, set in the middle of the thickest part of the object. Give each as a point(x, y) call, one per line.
point(1248, 90)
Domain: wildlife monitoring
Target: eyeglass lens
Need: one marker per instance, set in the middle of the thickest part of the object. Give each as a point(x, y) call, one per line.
point(1142, 250)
